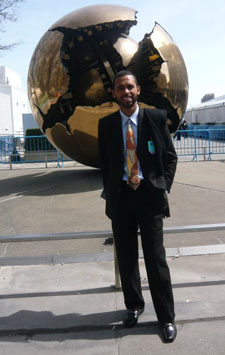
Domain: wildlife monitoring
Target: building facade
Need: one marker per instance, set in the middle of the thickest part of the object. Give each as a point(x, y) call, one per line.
point(13, 102)
point(210, 112)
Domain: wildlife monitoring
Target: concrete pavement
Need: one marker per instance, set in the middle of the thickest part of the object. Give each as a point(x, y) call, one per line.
point(34, 201)
point(73, 308)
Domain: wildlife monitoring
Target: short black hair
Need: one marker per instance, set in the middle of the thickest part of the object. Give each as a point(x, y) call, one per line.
point(123, 73)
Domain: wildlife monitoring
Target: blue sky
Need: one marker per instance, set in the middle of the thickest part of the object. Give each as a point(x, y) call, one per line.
point(197, 26)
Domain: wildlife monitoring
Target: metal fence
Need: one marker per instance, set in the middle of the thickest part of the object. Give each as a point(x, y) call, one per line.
point(200, 142)
point(203, 143)
point(29, 149)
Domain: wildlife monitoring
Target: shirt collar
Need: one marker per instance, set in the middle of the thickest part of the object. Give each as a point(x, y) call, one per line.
point(133, 117)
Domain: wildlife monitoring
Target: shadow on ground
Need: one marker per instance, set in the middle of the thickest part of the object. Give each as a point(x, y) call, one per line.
point(48, 327)
point(53, 182)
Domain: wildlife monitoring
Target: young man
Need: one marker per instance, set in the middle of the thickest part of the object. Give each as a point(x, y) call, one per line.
point(138, 163)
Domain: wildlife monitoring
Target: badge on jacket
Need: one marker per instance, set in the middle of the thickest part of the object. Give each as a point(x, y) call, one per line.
point(151, 147)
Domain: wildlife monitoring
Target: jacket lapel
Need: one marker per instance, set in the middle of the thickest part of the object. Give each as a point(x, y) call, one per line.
point(117, 137)
point(141, 129)
point(140, 124)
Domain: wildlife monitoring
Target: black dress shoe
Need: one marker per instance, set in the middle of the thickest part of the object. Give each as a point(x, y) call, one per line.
point(131, 317)
point(169, 332)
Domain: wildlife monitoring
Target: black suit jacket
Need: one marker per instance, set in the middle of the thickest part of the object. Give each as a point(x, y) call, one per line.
point(158, 169)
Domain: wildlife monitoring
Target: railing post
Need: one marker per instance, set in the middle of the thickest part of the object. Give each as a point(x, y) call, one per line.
point(116, 268)
point(62, 160)
point(58, 163)
point(46, 160)
point(209, 139)
point(195, 147)
point(204, 153)
point(10, 162)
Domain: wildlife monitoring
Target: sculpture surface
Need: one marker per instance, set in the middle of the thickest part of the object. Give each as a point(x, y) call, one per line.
point(72, 68)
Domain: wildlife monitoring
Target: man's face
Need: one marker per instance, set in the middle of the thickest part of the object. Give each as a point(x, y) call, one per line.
point(126, 92)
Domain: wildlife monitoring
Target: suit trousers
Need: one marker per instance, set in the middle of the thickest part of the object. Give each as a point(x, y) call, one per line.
point(136, 209)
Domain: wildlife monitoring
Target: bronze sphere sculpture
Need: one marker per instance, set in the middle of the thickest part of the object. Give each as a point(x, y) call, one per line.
point(72, 68)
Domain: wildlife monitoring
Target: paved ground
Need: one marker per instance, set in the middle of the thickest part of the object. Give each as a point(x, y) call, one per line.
point(67, 200)
point(73, 308)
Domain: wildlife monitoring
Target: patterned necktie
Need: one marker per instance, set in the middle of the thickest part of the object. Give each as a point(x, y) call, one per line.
point(132, 160)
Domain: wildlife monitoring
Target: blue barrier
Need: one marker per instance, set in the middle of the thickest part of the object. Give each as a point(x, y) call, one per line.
point(201, 131)
point(200, 141)
point(194, 143)
point(29, 149)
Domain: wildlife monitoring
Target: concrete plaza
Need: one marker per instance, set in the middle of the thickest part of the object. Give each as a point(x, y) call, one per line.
point(72, 307)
